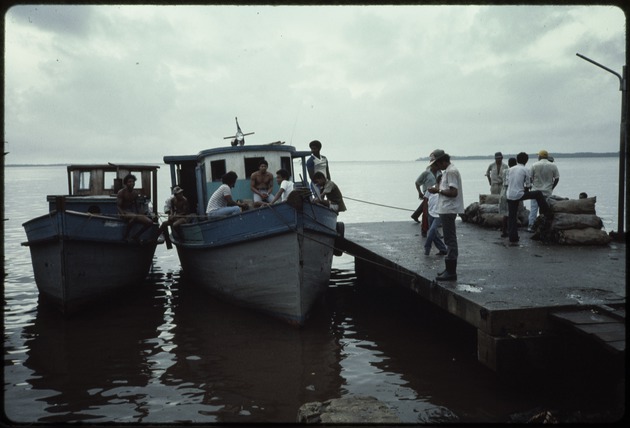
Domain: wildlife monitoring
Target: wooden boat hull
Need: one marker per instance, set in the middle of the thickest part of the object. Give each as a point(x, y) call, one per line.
point(79, 258)
point(279, 262)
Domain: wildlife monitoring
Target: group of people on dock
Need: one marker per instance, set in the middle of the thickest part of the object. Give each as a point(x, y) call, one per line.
point(515, 183)
point(439, 187)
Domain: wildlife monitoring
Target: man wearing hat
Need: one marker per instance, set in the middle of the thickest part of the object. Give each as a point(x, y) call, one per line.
point(495, 174)
point(450, 203)
point(178, 211)
point(425, 180)
point(545, 178)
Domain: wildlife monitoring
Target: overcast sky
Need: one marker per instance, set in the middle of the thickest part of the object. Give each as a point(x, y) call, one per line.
point(134, 83)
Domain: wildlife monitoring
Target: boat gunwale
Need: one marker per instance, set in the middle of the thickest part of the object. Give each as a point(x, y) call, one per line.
point(257, 234)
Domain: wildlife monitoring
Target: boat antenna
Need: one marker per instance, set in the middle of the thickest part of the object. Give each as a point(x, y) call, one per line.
point(239, 138)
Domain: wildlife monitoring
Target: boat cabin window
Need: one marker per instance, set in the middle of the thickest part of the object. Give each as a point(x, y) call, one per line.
point(139, 180)
point(285, 163)
point(108, 181)
point(84, 180)
point(251, 165)
point(217, 169)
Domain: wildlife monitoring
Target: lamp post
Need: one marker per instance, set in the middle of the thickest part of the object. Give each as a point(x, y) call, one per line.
point(623, 143)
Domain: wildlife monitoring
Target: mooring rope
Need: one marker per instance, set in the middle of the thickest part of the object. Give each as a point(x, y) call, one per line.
point(291, 228)
point(334, 248)
point(380, 205)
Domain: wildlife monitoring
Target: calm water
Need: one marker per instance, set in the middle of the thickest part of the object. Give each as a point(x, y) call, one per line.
point(169, 353)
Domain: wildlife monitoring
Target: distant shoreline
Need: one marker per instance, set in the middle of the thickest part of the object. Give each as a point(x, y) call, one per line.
point(475, 157)
point(535, 155)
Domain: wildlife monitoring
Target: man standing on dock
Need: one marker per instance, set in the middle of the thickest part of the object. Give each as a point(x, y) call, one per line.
point(519, 179)
point(425, 180)
point(545, 177)
point(450, 203)
point(495, 174)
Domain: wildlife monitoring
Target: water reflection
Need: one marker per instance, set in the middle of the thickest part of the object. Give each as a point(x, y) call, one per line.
point(170, 353)
point(93, 367)
point(423, 365)
point(246, 366)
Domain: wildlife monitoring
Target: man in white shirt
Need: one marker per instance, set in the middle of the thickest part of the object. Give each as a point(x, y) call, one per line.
point(519, 179)
point(450, 203)
point(545, 177)
point(286, 186)
point(316, 163)
point(221, 203)
point(495, 174)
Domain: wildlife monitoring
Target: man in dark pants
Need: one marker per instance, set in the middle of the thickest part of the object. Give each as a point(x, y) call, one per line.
point(450, 204)
point(519, 182)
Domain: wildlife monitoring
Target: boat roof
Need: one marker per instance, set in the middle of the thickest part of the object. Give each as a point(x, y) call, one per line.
point(112, 167)
point(236, 149)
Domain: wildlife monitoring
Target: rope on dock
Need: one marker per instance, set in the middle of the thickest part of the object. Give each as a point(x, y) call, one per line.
point(380, 205)
point(334, 248)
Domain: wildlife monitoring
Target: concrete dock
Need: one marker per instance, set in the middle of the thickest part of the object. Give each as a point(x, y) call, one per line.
point(521, 298)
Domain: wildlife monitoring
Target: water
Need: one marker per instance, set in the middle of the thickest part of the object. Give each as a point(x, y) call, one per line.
point(169, 353)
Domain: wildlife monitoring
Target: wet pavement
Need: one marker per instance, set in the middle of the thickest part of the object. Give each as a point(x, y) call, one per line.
point(502, 289)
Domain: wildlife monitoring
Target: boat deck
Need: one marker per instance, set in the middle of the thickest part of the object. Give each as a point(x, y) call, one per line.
point(506, 292)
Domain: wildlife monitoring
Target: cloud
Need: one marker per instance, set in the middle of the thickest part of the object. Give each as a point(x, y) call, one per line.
point(134, 83)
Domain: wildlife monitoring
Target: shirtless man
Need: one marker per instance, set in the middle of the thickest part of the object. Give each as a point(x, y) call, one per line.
point(178, 213)
point(262, 184)
point(127, 203)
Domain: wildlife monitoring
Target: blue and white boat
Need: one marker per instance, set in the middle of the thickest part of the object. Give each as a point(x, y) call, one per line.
point(81, 249)
point(275, 259)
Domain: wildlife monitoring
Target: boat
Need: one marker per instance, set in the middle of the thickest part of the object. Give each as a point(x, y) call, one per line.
point(81, 250)
point(275, 259)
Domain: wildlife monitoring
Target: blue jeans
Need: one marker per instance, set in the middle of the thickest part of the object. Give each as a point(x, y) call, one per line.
point(225, 211)
point(533, 213)
point(450, 235)
point(433, 235)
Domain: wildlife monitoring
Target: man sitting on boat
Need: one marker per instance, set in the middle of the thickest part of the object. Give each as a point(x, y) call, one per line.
point(286, 186)
point(330, 194)
point(221, 203)
point(262, 184)
point(129, 204)
point(178, 211)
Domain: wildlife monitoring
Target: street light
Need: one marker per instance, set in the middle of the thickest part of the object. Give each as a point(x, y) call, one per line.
point(623, 143)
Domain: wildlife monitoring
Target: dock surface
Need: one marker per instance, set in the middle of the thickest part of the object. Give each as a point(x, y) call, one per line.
point(504, 290)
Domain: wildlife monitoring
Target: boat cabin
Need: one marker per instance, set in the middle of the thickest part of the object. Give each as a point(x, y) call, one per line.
point(93, 188)
point(200, 175)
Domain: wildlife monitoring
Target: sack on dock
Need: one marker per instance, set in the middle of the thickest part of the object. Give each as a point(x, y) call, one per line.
point(574, 206)
point(489, 199)
point(494, 220)
point(488, 208)
point(587, 236)
point(564, 221)
point(470, 213)
point(487, 215)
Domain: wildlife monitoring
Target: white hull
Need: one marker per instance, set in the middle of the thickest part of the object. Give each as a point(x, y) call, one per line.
point(283, 275)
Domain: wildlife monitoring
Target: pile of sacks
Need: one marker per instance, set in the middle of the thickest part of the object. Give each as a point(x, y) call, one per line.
point(486, 213)
point(574, 221)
